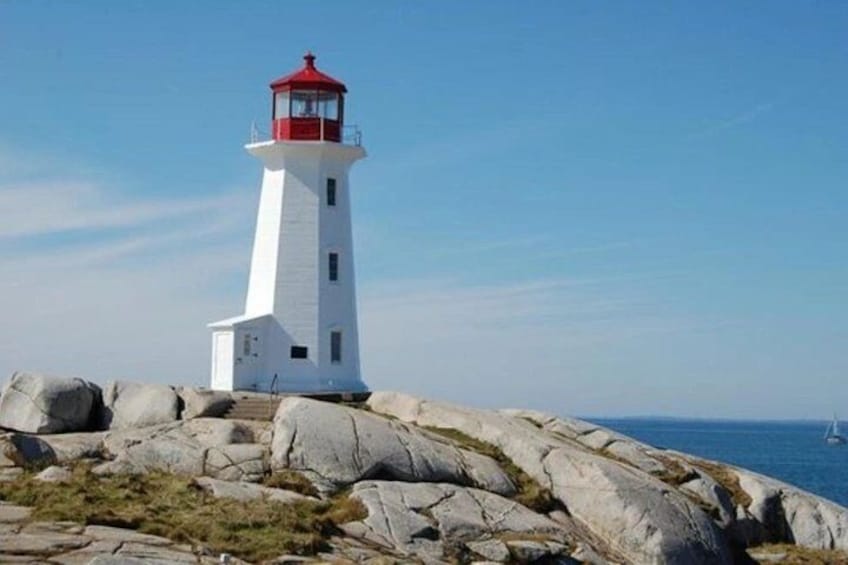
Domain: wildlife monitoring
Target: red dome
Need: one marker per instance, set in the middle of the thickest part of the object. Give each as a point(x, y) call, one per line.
point(308, 78)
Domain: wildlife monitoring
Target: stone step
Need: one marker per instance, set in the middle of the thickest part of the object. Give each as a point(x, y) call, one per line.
point(253, 409)
point(263, 406)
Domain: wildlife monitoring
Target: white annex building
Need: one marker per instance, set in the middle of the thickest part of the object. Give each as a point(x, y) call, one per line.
point(299, 332)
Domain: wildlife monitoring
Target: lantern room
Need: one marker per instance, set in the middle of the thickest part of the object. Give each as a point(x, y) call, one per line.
point(308, 105)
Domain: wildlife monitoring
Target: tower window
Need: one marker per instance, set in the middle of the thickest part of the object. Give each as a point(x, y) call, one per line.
point(304, 104)
point(335, 346)
point(281, 105)
point(331, 192)
point(334, 266)
point(299, 352)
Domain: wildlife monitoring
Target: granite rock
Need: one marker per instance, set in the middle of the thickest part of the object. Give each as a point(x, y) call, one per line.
point(335, 446)
point(203, 403)
point(418, 519)
point(42, 404)
point(135, 405)
point(247, 491)
point(633, 513)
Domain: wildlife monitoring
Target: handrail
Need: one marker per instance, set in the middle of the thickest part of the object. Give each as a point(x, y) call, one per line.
point(274, 393)
point(350, 133)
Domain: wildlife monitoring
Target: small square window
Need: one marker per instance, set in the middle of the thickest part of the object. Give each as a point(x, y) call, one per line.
point(334, 267)
point(336, 346)
point(299, 352)
point(331, 192)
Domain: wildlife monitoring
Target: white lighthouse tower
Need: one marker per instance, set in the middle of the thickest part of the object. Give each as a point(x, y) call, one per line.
point(299, 332)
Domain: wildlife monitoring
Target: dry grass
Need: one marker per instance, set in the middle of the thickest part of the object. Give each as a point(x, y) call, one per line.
point(530, 493)
point(532, 422)
point(345, 509)
point(290, 480)
point(726, 478)
point(675, 474)
point(795, 555)
point(171, 506)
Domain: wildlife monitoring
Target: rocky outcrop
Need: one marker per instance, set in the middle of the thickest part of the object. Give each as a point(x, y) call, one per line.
point(199, 447)
point(239, 462)
point(246, 491)
point(54, 474)
point(135, 405)
point(799, 516)
point(203, 403)
point(72, 544)
point(635, 514)
point(336, 446)
point(427, 481)
point(597, 439)
point(420, 519)
point(41, 404)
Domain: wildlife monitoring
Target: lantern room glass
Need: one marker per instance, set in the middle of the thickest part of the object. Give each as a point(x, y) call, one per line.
point(304, 104)
point(281, 105)
point(328, 104)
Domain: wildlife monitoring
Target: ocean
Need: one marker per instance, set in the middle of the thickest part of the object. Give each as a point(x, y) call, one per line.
point(794, 452)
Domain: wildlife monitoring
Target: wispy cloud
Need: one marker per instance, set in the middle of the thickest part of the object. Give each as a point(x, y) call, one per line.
point(478, 246)
point(104, 285)
point(131, 300)
point(487, 343)
point(51, 207)
point(739, 119)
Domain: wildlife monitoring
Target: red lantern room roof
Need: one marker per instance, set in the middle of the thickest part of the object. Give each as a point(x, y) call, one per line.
point(308, 78)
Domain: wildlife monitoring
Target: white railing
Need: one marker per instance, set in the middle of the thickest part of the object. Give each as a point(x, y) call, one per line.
point(349, 134)
point(257, 135)
point(352, 135)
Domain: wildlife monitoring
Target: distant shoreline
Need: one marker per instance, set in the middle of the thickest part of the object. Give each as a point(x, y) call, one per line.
point(703, 419)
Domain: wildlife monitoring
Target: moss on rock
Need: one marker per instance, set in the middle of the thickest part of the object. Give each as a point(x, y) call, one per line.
point(171, 506)
point(529, 492)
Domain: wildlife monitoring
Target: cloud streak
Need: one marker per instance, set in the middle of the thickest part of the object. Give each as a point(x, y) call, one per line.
point(33, 209)
point(132, 297)
point(737, 120)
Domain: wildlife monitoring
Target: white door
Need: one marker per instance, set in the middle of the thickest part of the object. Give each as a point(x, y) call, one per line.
point(222, 360)
point(249, 357)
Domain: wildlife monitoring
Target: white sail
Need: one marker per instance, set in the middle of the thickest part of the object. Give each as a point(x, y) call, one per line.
point(832, 435)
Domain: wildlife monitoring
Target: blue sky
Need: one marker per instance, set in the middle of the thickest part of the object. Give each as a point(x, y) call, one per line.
point(586, 208)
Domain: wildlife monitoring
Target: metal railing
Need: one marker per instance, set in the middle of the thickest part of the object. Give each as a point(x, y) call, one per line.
point(274, 390)
point(256, 134)
point(350, 134)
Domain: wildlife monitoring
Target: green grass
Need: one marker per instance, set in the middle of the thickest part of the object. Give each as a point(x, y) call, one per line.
point(171, 506)
point(530, 493)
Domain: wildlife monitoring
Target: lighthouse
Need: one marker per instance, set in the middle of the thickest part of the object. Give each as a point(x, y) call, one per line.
point(298, 333)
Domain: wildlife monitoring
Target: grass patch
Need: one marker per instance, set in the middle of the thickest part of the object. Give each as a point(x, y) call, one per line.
point(171, 506)
point(530, 493)
point(357, 405)
point(796, 555)
point(727, 479)
point(531, 421)
point(290, 480)
point(674, 474)
point(344, 509)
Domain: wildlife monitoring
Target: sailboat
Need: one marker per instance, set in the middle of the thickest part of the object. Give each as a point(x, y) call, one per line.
point(832, 435)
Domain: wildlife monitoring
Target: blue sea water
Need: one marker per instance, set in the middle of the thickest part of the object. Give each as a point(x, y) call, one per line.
point(794, 452)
